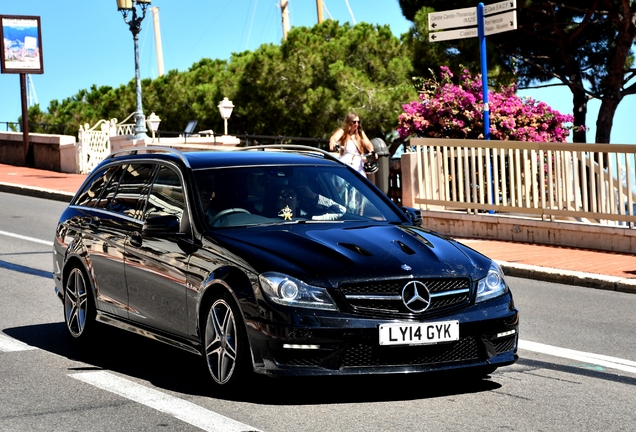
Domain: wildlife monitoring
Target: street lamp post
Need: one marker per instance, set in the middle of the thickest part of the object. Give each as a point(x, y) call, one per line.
point(125, 7)
point(225, 108)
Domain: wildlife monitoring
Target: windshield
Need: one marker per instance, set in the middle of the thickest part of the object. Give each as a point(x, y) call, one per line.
point(231, 197)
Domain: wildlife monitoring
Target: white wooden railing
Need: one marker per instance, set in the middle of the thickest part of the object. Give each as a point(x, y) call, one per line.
point(94, 142)
point(591, 183)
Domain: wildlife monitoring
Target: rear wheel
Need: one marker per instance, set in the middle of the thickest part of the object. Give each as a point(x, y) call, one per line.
point(225, 343)
point(79, 310)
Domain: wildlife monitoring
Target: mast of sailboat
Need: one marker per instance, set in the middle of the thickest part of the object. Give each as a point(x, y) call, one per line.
point(285, 14)
point(321, 17)
point(155, 20)
point(32, 97)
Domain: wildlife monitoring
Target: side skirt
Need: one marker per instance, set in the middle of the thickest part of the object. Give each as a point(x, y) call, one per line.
point(184, 344)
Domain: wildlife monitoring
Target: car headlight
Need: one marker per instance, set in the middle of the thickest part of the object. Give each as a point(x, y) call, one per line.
point(288, 291)
point(493, 285)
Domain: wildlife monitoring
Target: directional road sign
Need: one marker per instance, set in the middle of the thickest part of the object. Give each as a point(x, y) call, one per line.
point(465, 17)
point(453, 34)
point(499, 17)
point(453, 18)
point(500, 7)
point(500, 23)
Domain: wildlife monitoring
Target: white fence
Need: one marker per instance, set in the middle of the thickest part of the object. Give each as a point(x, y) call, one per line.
point(591, 183)
point(94, 142)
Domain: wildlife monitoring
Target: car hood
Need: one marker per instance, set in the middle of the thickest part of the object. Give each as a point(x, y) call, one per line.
point(319, 254)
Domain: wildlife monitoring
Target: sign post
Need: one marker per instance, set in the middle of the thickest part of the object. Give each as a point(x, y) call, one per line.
point(21, 53)
point(484, 69)
point(502, 17)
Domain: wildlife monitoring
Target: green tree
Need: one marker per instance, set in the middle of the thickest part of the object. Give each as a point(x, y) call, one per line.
point(303, 87)
point(306, 86)
point(586, 45)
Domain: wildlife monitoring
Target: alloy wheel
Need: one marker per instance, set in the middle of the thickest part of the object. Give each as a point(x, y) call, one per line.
point(221, 341)
point(76, 303)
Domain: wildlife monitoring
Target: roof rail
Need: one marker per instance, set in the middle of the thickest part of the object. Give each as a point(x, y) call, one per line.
point(149, 149)
point(292, 147)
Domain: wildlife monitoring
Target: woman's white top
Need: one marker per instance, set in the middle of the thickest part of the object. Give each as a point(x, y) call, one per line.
point(351, 156)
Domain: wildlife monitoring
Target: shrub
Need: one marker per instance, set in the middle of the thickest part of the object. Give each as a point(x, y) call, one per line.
point(449, 110)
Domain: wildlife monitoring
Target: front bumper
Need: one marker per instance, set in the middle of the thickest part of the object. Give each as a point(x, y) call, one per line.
point(336, 344)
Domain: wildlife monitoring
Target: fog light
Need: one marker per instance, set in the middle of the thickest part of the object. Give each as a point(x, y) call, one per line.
point(296, 346)
point(508, 333)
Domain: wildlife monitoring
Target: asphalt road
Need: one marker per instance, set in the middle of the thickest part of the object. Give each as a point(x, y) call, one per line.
point(577, 369)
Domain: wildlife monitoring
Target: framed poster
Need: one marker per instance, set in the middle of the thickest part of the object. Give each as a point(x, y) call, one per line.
point(21, 44)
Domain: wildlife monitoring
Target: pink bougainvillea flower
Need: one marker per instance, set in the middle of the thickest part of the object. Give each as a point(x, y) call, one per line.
point(450, 110)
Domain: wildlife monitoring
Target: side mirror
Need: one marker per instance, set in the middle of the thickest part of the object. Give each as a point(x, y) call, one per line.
point(415, 215)
point(158, 225)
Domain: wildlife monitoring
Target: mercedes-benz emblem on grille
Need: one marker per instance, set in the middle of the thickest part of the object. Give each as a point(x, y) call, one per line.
point(416, 297)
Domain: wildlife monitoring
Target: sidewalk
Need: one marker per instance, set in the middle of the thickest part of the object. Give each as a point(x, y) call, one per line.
point(596, 269)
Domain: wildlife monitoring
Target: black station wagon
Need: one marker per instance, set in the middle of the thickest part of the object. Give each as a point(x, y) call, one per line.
point(279, 261)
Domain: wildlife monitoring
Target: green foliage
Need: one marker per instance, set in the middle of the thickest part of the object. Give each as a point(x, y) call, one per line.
point(302, 87)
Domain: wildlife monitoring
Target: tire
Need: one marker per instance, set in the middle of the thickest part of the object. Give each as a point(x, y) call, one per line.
point(79, 308)
point(225, 345)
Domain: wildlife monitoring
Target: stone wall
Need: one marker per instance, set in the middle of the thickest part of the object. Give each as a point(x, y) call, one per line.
point(50, 152)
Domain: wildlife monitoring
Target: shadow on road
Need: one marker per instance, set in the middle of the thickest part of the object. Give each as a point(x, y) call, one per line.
point(181, 372)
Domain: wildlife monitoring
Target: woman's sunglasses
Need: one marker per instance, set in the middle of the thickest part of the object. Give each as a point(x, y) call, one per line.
point(356, 121)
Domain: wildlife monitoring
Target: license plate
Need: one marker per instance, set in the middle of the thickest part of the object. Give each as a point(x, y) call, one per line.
point(419, 334)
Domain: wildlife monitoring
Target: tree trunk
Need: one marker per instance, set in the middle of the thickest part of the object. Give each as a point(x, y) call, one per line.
point(579, 101)
point(615, 79)
point(605, 118)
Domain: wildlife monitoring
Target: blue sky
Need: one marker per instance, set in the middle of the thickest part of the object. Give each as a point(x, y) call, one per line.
point(86, 42)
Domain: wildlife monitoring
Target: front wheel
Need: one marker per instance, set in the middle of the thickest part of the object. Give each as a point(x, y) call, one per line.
point(79, 311)
point(225, 343)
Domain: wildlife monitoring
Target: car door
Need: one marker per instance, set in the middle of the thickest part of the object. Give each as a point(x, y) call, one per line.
point(103, 239)
point(156, 263)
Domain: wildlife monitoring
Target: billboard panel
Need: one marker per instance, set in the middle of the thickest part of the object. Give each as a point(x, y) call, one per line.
point(21, 44)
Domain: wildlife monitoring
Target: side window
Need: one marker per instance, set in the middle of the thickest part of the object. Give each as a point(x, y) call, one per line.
point(129, 198)
point(92, 192)
point(166, 195)
point(355, 201)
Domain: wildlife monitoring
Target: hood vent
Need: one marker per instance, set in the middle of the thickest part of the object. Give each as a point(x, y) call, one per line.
point(355, 248)
point(407, 250)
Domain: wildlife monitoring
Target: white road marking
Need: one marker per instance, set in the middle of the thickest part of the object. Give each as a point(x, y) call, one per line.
point(596, 359)
point(178, 408)
point(31, 239)
point(8, 344)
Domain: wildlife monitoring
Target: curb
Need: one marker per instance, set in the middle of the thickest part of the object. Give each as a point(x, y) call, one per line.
point(569, 277)
point(36, 192)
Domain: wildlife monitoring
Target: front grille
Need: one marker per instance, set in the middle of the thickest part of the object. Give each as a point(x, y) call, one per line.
point(299, 358)
point(385, 297)
point(367, 354)
point(364, 354)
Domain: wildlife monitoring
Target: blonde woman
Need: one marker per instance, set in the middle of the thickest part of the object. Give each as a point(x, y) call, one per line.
point(352, 143)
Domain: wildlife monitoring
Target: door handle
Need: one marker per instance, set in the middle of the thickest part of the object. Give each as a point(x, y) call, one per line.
point(94, 223)
point(136, 239)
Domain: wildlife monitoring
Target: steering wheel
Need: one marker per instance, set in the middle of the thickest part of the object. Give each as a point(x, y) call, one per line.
point(222, 213)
